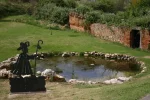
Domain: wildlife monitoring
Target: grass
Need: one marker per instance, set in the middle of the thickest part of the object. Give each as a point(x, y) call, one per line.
point(12, 33)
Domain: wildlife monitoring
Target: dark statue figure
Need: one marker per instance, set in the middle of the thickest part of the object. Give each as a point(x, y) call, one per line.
point(22, 66)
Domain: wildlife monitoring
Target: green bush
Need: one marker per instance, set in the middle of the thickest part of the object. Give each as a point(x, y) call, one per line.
point(70, 3)
point(51, 12)
point(110, 12)
point(43, 2)
point(44, 12)
point(92, 17)
point(107, 18)
point(103, 5)
point(59, 3)
point(82, 9)
point(143, 21)
point(60, 15)
point(143, 3)
point(7, 9)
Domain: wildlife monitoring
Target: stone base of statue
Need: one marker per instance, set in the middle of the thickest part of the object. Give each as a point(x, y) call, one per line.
point(27, 84)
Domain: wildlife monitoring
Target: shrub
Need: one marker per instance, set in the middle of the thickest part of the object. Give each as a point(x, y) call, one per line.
point(143, 3)
point(44, 12)
point(82, 9)
point(59, 3)
point(92, 17)
point(60, 15)
point(103, 5)
point(7, 9)
point(107, 18)
point(70, 3)
point(142, 21)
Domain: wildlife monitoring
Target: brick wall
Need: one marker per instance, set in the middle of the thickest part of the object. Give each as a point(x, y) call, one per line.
point(145, 38)
point(76, 22)
point(119, 34)
point(111, 33)
point(126, 36)
point(107, 32)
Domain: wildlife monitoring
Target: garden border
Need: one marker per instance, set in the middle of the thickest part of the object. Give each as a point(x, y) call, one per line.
point(5, 66)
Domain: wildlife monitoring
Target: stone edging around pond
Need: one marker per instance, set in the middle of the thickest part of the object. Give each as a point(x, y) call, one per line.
point(5, 66)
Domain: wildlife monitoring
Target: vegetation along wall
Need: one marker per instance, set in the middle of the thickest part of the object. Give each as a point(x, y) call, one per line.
point(131, 37)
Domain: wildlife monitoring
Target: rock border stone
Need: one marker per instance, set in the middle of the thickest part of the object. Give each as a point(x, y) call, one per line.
point(5, 66)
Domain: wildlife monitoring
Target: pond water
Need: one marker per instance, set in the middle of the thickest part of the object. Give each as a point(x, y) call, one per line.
point(81, 68)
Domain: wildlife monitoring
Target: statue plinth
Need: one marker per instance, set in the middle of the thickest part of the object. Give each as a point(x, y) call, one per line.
point(27, 84)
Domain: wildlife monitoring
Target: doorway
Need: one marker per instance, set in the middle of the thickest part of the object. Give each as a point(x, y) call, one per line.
point(135, 39)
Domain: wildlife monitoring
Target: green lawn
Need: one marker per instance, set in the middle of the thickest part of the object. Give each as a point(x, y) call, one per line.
point(12, 33)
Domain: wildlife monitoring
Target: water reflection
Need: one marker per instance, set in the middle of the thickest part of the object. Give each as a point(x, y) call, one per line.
point(94, 69)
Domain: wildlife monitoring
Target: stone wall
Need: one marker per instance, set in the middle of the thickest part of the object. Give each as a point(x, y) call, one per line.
point(126, 36)
point(76, 22)
point(112, 33)
point(107, 32)
point(145, 39)
point(120, 34)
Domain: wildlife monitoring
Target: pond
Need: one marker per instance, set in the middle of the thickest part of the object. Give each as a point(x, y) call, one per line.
point(81, 68)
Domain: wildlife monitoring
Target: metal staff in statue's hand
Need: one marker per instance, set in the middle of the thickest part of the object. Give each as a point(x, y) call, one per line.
point(37, 48)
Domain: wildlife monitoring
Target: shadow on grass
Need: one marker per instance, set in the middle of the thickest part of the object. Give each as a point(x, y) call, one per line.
point(2, 20)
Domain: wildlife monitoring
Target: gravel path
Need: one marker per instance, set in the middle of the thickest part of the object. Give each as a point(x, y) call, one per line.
point(146, 97)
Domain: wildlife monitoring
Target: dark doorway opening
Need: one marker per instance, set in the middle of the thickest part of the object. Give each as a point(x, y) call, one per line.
point(135, 39)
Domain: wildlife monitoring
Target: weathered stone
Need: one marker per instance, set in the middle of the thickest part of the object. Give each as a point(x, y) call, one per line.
point(38, 73)
point(86, 55)
point(142, 71)
point(80, 82)
point(13, 62)
point(77, 54)
point(65, 54)
point(90, 82)
point(107, 82)
point(144, 68)
point(44, 54)
point(73, 81)
point(41, 58)
point(5, 73)
point(92, 64)
point(107, 55)
point(48, 72)
point(73, 53)
point(96, 54)
point(113, 81)
point(5, 66)
point(123, 79)
point(58, 78)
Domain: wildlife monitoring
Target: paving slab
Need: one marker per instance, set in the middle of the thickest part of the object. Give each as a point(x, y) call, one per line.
point(18, 94)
